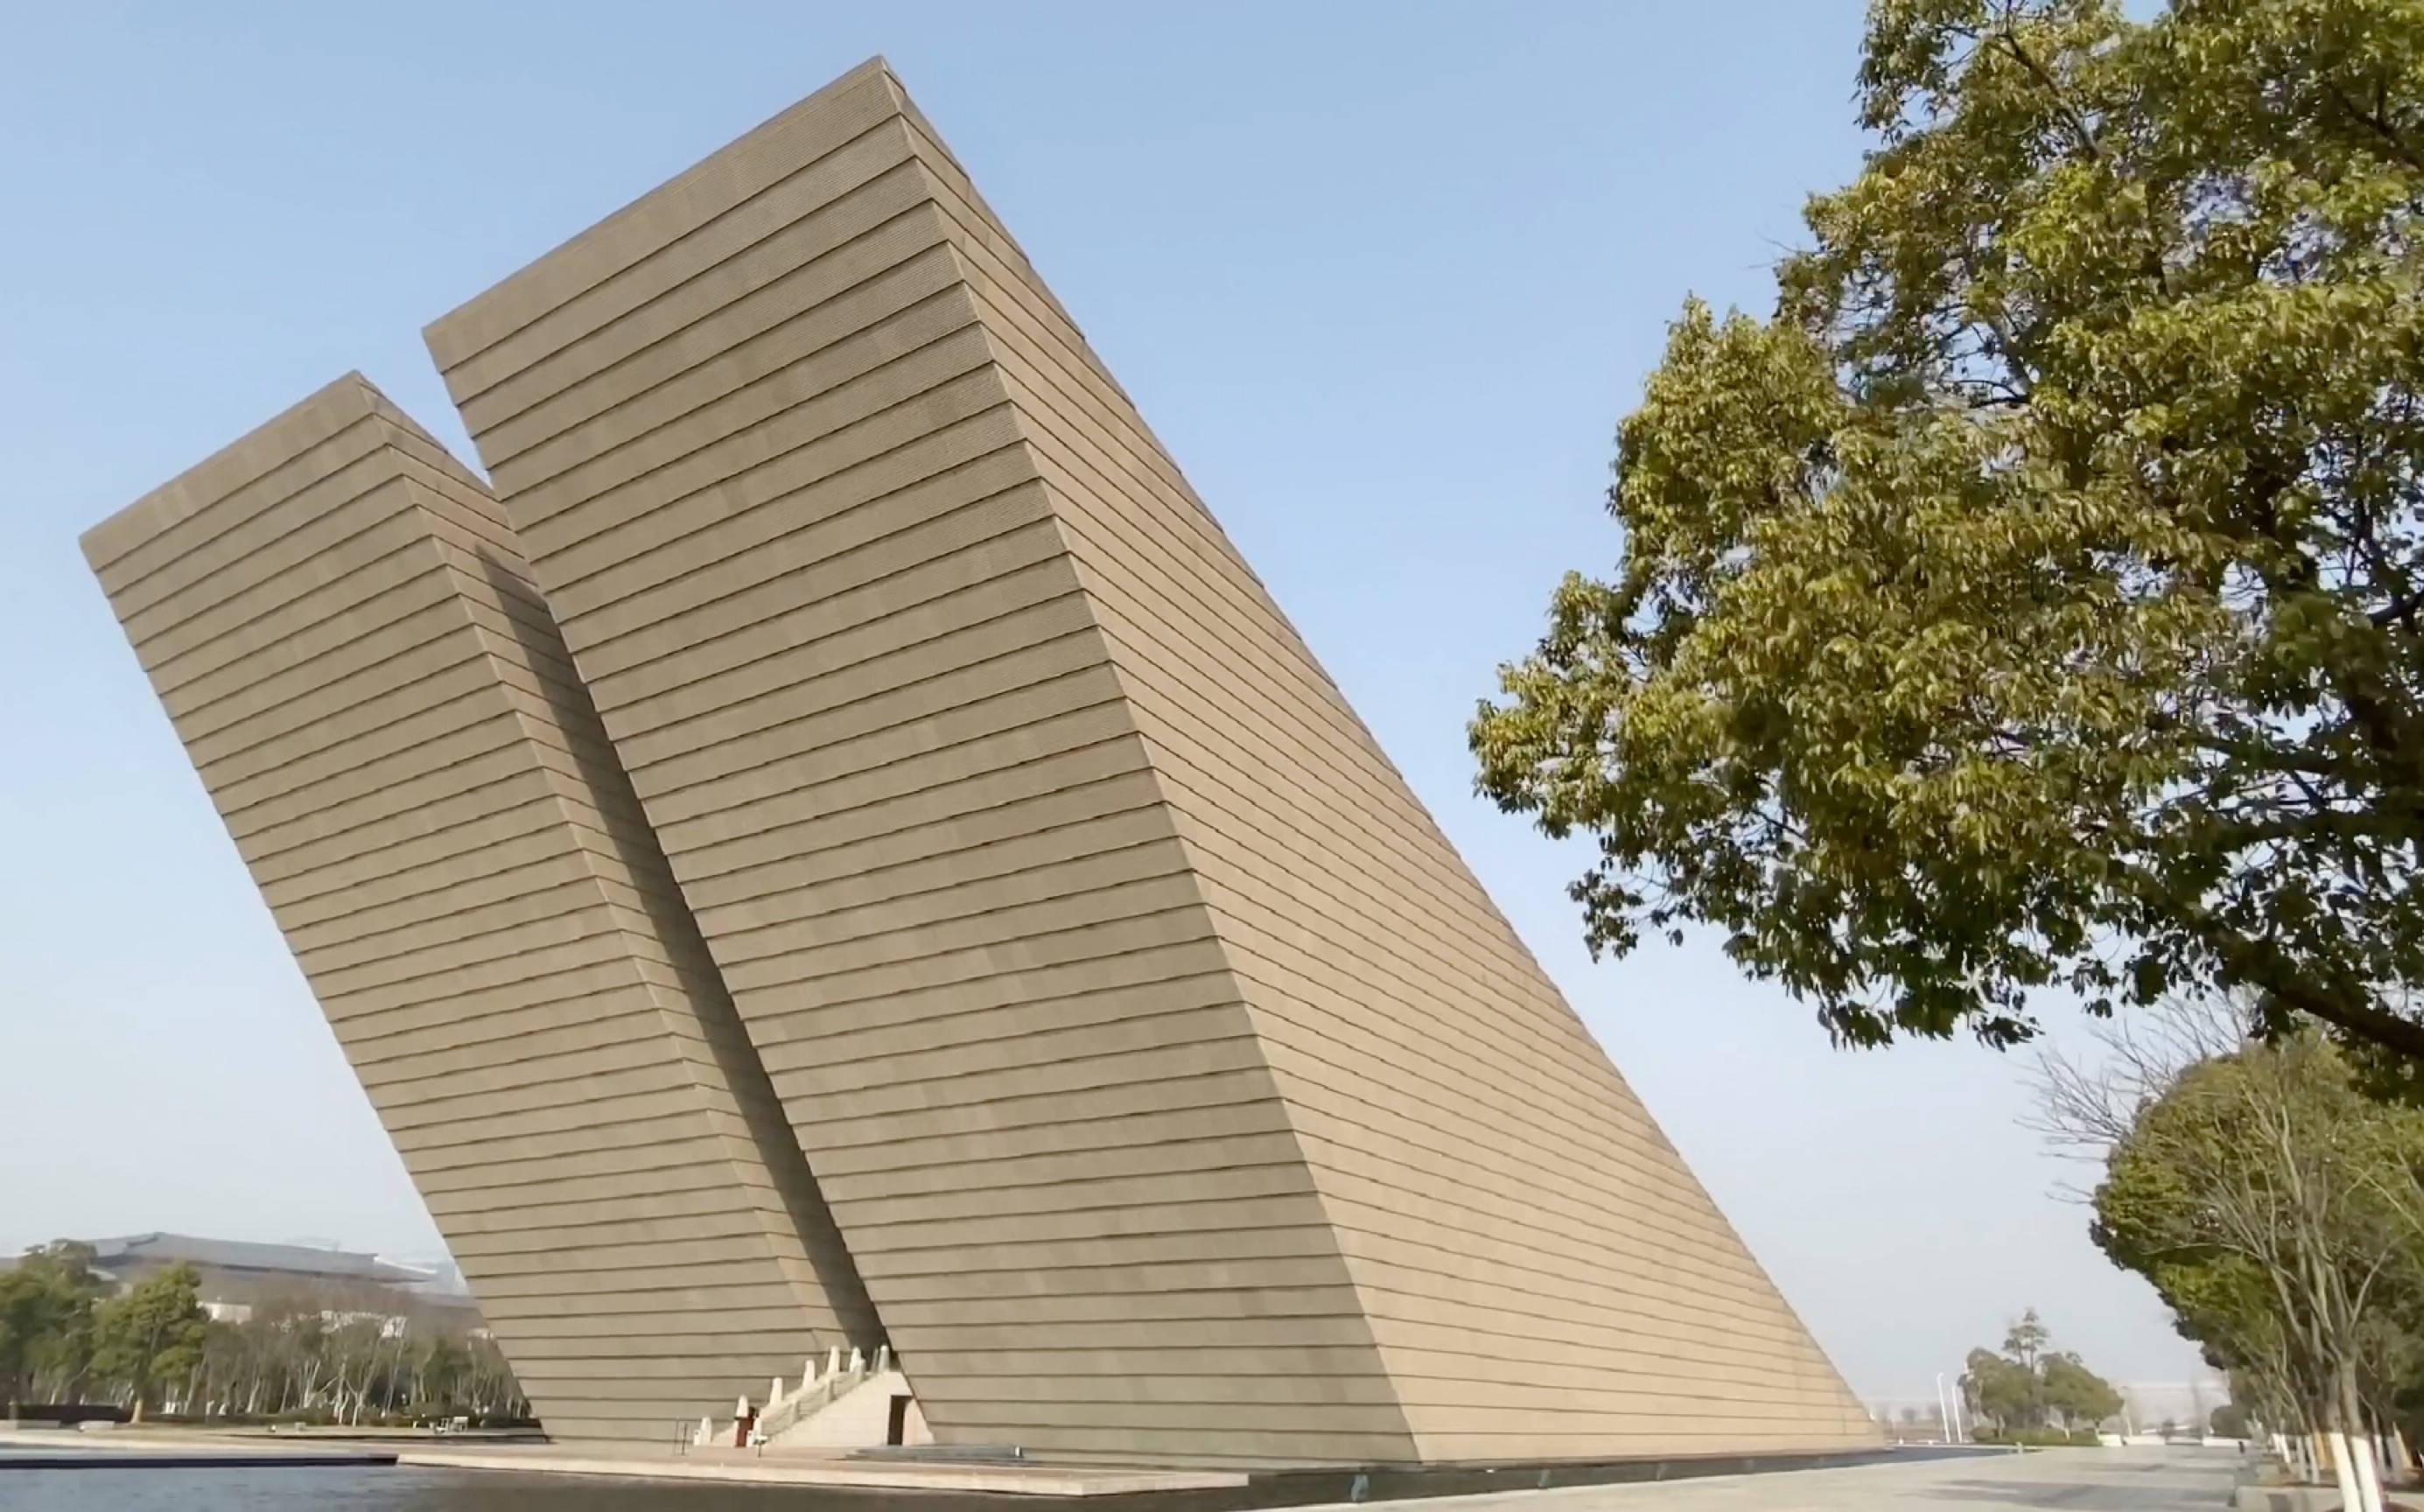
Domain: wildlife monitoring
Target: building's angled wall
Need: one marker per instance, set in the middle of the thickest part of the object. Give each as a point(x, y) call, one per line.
point(341, 627)
point(1176, 1089)
point(1545, 1277)
point(755, 444)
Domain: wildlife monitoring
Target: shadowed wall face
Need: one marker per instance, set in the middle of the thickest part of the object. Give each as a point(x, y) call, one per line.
point(342, 631)
point(1176, 1089)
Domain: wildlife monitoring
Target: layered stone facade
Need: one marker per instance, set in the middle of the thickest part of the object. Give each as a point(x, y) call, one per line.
point(1172, 1089)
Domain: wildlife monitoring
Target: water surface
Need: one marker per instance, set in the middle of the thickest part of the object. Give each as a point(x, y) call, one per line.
point(378, 1489)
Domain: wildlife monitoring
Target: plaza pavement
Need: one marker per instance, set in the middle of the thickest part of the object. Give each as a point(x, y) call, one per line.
point(2074, 1480)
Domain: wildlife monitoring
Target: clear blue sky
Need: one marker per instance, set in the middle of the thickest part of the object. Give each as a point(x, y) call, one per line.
point(1382, 277)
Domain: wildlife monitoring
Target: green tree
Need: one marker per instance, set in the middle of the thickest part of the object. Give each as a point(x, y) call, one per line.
point(2079, 1397)
point(46, 1302)
point(439, 1374)
point(328, 1354)
point(2025, 1341)
point(2274, 1206)
point(152, 1335)
point(2019, 1388)
point(2003, 1391)
point(2036, 599)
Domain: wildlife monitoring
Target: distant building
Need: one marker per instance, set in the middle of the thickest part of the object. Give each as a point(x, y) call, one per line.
point(237, 1277)
point(444, 1275)
point(236, 1263)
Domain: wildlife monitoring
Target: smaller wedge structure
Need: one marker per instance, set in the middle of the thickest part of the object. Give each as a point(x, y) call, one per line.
point(341, 628)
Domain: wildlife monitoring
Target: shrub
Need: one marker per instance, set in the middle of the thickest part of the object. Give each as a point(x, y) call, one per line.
point(2040, 1438)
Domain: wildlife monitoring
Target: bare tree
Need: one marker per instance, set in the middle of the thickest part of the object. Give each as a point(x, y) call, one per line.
point(2084, 1108)
point(2258, 1187)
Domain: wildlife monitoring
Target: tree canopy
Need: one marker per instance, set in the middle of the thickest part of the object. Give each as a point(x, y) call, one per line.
point(2036, 599)
point(2028, 1386)
point(151, 1334)
point(2278, 1206)
point(46, 1307)
point(2275, 1207)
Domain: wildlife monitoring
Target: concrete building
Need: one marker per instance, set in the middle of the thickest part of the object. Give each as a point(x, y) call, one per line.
point(978, 837)
point(231, 1265)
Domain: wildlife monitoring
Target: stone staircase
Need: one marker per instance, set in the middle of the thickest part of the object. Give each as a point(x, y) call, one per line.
point(820, 1384)
point(817, 1391)
point(858, 1417)
point(840, 1403)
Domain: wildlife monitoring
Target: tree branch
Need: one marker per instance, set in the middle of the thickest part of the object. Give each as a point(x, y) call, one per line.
point(2395, 144)
point(2261, 964)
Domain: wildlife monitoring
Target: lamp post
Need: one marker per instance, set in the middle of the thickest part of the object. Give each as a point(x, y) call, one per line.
point(1944, 1408)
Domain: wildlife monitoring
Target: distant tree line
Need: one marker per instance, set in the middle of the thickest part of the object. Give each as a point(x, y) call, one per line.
point(2030, 1392)
point(328, 1355)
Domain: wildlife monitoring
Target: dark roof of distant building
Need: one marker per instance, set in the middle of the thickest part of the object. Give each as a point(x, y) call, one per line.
point(236, 1254)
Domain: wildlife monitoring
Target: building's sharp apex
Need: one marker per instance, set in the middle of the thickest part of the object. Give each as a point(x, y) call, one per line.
point(332, 405)
point(852, 105)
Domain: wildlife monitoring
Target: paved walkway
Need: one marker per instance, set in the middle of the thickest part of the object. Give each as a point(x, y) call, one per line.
point(2075, 1480)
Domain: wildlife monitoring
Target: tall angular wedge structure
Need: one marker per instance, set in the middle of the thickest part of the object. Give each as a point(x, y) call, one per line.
point(344, 634)
point(1173, 1084)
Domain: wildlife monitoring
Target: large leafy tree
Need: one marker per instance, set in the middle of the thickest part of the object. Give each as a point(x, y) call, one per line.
point(2036, 599)
point(46, 1304)
point(2076, 1395)
point(2003, 1390)
point(153, 1334)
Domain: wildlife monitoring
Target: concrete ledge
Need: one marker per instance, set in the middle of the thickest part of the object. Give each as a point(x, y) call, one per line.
point(778, 1469)
point(1171, 1490)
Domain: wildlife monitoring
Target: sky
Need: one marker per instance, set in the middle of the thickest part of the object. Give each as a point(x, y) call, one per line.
point(1383, 276)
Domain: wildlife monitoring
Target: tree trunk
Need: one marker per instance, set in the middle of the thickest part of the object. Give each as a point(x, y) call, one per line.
point(2353, 1498)
point(2368, 1471)
point(2358, 1440)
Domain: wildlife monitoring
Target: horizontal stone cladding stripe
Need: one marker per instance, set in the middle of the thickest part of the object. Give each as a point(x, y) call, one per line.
point(337, 619)
point(755, 436)
point(1495, 1182)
